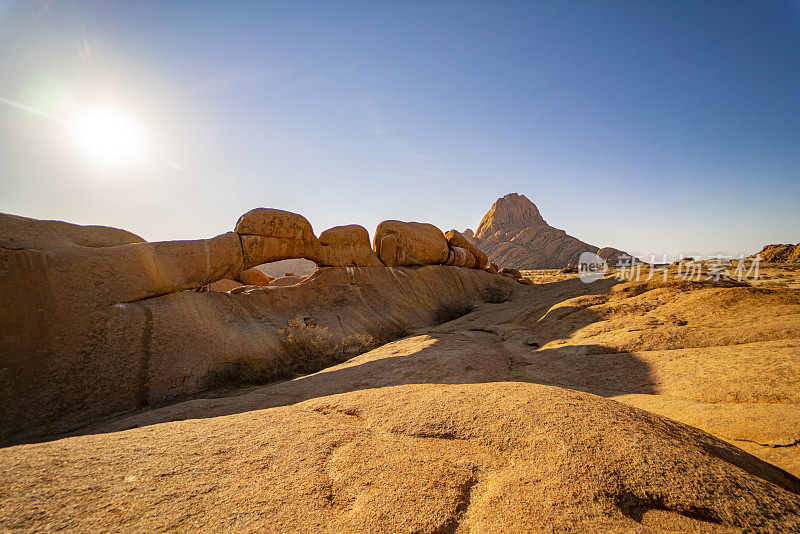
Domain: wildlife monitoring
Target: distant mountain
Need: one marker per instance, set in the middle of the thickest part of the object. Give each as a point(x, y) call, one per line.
point(514, 234)
point(781, 253)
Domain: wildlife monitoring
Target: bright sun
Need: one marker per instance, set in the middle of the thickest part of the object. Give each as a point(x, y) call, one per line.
point(109, 136)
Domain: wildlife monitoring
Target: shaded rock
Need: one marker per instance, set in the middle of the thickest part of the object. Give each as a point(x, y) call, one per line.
point(254, 277)
point(89, 331)
point(459, 256)
point(416, 243)
point(387, 250)
point(470, 260)
point(456, 239)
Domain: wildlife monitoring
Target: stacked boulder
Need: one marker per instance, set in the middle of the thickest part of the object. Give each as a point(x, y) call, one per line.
point(463, 253)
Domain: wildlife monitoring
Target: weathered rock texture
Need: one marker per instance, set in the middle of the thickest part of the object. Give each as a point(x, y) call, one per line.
point(781, 253)
point(498, 457)
point(21, 232)
point(94, 321)
point(269, 235)
point(345, 245)
point(514, 234)
point(410, 243)
point(456, 239)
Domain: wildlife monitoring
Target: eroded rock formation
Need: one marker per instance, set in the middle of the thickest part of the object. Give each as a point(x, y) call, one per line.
point(95, 320)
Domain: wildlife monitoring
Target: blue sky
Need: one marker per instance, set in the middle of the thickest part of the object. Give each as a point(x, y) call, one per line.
point(655, 127)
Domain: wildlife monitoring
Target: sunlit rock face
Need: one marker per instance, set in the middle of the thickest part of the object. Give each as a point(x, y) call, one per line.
point(780, 253)
point(514, 234)
point(342, 246)
point(95, 320)
point(410, 243)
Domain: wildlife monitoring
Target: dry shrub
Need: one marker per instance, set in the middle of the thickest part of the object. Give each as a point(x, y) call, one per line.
point(310, 347)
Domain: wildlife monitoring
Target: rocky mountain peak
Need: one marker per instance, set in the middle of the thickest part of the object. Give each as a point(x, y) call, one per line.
point(514, 234)
point(509, 212)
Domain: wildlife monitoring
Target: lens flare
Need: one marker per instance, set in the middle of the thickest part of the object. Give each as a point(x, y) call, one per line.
point(109, 137)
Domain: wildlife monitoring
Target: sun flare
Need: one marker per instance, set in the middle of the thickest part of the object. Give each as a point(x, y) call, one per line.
point(108, 136)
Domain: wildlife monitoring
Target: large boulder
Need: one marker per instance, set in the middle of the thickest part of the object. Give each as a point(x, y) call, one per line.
point(456, 239)
point(410, 243)
point(269, 235)
point(343, 246)
point(270, 222)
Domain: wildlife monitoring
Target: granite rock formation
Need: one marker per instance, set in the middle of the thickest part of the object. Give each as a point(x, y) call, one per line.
point(514, 234)
point(410, 243)
point(96, 321)
point(561, 406)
